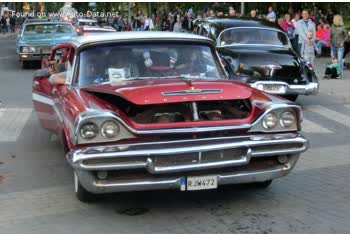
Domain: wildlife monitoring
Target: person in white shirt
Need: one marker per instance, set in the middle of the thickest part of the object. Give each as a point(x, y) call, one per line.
point(271, 16)
point(303, 27)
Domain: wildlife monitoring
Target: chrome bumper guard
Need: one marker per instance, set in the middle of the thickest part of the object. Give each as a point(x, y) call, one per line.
point(307, 89)
point(144, 156)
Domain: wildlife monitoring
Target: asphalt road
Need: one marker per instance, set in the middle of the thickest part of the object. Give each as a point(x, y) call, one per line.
point(36, 183)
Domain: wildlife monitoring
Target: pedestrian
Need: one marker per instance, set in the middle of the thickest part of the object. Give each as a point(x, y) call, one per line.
point(232, 12)
point(309, 47)
point(330, 16)
point(271, 16)
point(146, 25)
point(303, 27)
point(253, 13)
point(12, 23)
point(178, 25)
point(3, 24)
point(333, 70)
point(338, 38)
point(8, 26)
point(324, 39)
point(120, 24)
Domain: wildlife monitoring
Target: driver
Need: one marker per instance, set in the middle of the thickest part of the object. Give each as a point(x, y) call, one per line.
point(90, 71)
point(59, 29)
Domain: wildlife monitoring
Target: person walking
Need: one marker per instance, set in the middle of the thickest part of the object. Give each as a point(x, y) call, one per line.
point(12, 23)
point(303, 26)
point(338, 37)
point(3, 24)
point(8, 26)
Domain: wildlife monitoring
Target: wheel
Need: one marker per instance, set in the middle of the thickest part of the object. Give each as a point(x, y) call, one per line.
point(81, 193)
point(291, 97)
point(262, 185)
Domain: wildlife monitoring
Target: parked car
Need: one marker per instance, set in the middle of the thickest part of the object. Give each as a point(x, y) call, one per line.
point(38, 38)
point(162, 115)
point(258, 52)
point(88, 26)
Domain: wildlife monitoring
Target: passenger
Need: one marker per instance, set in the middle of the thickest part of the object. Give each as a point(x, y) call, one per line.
point(38, 29)
point(59, 29)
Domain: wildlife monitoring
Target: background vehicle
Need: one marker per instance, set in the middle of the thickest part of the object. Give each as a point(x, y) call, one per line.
point(38, 38)
point(88, 26)
point(162, 115)
point(258, 52)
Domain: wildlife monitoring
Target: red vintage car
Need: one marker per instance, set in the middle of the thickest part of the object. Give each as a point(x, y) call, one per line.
point(146, 111)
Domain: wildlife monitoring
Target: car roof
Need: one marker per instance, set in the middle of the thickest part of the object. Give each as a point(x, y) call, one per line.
point(230, 22)
point(46, 23)
point(135, 36)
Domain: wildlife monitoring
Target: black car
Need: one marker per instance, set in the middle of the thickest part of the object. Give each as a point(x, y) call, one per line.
point(259, 53)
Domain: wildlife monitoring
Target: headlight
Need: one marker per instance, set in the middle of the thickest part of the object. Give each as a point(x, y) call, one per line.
point(110, 129)
point(32, 49)
point(28, 49)
point(270, 121)
point(287, 119)
point(89, 131)
point(25, 49)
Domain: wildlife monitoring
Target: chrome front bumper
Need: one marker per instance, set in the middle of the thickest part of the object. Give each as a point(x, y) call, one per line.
point(168, 173)
point(307, 89)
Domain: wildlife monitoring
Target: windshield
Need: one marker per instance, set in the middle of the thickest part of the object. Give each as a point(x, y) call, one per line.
point(48, 29)
point(117, 64)
point(253, 36)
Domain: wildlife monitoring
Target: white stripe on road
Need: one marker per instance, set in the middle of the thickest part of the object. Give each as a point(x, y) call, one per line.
point(311, 127)
point(330, 114)
point(12, 121)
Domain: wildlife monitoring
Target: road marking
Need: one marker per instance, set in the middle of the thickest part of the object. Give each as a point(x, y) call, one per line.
point(312, 127)
point(12, 122)
point(330, 114)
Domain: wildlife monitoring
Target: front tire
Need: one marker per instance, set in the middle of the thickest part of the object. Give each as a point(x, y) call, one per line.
point(81, 193)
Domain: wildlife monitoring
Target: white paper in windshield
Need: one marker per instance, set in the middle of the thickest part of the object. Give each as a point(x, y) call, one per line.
point(118, 74)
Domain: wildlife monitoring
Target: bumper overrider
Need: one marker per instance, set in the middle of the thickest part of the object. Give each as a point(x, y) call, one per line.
point(311, 88)
point(166, 165)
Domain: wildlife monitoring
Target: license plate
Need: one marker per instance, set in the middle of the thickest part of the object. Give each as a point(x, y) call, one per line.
point(201, 183)
point(273, 88)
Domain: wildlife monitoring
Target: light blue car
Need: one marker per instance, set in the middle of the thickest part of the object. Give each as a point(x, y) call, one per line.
point(38, 38)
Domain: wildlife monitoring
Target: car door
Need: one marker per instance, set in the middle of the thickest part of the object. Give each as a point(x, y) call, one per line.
point(45, 95)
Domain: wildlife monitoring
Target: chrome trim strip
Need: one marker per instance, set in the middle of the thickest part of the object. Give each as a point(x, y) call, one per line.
point(307, 89)
point(199, 166)
point(77, 157)
point(192, 92)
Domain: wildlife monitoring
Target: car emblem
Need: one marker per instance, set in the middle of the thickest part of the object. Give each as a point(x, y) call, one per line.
point(271, 68)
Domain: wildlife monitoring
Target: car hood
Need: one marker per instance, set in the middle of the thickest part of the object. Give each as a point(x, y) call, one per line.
point(147, 92)
point(270, 63)
point(47, 39)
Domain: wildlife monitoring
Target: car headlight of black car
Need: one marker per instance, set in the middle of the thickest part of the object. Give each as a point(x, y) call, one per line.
point(279, 119)
point(100, 127)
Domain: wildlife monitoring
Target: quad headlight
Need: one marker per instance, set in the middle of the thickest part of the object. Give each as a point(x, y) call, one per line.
point(89, 131)
point(28, 49)
point(287, 119)
point(110, 129)
point(270, 121)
